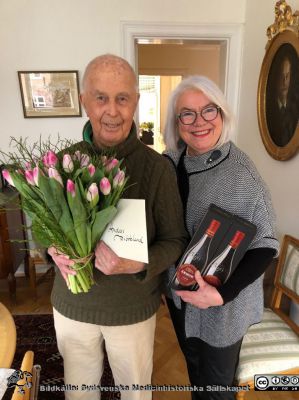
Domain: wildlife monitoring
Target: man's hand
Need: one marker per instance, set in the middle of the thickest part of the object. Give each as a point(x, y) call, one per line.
point(110, 264)
point(63, 262)
point(204, 297)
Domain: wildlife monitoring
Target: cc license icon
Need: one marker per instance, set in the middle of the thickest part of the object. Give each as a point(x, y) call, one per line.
point(275, 380)
point(285, 380)
point(295, 380)
point(262, 382)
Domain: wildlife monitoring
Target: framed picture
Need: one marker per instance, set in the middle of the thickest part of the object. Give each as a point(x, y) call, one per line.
point(278, 96)
point(50, 93)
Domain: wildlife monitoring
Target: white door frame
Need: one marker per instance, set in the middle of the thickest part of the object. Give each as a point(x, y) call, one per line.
point(231, 34)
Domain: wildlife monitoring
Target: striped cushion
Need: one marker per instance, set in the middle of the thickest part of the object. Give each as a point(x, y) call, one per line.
point(268, 347)
point(290, 273)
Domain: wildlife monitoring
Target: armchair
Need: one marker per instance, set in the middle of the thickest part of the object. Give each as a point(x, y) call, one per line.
point(272, 346)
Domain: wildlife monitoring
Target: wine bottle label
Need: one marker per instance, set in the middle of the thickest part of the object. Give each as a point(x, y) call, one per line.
point(185, 274)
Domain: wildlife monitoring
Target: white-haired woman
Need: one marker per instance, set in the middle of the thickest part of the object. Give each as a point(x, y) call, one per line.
point(210, 323)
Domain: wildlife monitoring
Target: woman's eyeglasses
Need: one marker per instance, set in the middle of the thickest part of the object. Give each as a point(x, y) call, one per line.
point(208, 114)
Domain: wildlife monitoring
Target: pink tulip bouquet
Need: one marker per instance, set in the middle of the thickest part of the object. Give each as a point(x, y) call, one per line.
point(69, 196)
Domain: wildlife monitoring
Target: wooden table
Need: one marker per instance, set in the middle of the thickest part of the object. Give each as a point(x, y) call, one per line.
point(8, 337)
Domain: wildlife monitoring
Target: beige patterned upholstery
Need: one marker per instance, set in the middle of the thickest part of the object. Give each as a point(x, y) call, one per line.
point(268, 347)
point(272, 346)
point(290, 274)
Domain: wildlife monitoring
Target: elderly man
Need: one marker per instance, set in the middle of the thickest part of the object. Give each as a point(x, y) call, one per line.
point(120, 309)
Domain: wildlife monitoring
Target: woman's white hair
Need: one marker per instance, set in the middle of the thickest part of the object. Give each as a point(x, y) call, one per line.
point(212, 91)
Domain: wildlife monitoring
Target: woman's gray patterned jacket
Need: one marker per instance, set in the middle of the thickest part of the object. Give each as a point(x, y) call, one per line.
point(233, 183)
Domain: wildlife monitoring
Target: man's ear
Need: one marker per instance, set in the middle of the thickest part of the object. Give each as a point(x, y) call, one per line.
point(81, 98)
point(83, 101)
point(137, 100)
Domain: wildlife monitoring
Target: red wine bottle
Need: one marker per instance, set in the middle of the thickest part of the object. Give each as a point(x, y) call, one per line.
point(198, 254)
point(219, 269)
point(196, 258)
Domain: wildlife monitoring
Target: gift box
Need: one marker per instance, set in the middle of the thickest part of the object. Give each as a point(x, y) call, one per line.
point(216, 248)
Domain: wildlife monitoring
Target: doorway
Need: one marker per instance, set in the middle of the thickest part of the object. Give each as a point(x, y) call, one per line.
point(148, 46)
point(161, 66)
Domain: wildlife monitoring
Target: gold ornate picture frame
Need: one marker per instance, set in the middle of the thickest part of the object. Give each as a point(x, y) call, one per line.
point(50, 93)
point(278, 88)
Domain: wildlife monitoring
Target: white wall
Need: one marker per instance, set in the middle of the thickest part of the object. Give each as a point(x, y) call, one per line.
point(281, 176)
point(66, 34)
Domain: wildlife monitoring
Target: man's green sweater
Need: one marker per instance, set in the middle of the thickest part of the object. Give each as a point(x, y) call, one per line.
point(130, 298)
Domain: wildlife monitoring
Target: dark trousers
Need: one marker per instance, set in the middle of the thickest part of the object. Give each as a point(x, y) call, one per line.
point(208, 366)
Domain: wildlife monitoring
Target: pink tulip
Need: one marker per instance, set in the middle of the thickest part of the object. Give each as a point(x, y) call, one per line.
point(111, 164)
point(77, 155)
point(83, 158)
point(104, 160)
point(53, 173)
point(91, 169)
point(67, 163)
point(50, 159)
point(29, 177)
point(70, 187)
point(119, 179)
point(105, 186)
point(92, 194)
point(36, 173)
point(7, 177)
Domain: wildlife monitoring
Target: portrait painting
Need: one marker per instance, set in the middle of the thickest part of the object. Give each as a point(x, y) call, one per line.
point(278, 96)
point(282, 95)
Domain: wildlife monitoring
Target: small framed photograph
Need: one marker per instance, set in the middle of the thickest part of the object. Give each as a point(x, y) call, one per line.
point(50, 94)
point(278, 96)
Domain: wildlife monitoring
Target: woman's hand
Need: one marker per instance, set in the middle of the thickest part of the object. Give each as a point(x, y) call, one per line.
point(110, 264)
point(205, 296)
point(63, 262)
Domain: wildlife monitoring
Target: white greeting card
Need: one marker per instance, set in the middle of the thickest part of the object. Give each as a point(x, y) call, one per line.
point(126, 234)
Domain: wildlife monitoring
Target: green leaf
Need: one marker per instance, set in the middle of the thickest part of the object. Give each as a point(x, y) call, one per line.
point(33, 207)
point(66, 221)
point(40, 235)
point(102, 219)
point(23, 186)
point(88, 238)
point(49, 197)
point(80, 218)
point(87, 179)
point(78, 172)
